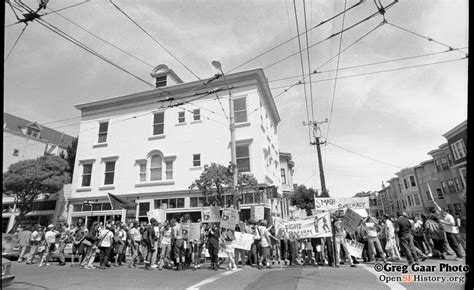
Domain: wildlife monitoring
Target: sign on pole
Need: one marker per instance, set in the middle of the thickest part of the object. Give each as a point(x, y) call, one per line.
point(158, 214)
point(341, 203)
point(230, 217)
point(210, 214)
point(352, 219)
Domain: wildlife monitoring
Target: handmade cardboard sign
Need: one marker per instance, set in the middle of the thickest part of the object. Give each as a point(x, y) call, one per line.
point(341, 203)
point(158, 214)
point(352, 219)
point(242, 241)
point(354, 248)
point(318, 227)
point(230, 217)
point(210, 214)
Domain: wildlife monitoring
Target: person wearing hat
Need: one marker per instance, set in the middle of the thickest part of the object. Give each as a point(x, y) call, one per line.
point(50, 238)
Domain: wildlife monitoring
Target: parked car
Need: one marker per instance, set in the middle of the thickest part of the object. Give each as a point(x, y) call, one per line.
point(6, 276)
point(10, 246)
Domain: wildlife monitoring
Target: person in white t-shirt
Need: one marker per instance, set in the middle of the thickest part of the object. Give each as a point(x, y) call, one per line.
point(50, 238)
point(106, 239)
point(265, 244)
point(449, 225)
point(165, 246)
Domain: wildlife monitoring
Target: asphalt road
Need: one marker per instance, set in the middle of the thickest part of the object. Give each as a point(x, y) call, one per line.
point(289, 278)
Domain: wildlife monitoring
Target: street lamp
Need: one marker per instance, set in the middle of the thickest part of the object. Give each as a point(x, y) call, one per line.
point(218, 66)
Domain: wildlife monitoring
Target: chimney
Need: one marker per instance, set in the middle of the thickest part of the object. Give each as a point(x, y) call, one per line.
point(164, 76)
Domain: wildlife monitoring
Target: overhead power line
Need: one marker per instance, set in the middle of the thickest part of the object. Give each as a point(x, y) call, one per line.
point(287, 41)
point(422, 36)
point(14, 44)
point(361, 155)
point(309, 62)
point(154, 39)
point(337, 70)
point(102, 39)
point(333, 35)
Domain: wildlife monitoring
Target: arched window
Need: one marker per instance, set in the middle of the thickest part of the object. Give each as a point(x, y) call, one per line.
point(156, 167)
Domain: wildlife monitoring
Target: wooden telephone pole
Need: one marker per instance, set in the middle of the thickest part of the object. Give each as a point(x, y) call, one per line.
point(317, 142)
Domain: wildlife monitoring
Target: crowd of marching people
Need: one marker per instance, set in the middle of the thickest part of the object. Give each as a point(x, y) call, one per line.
point(164, 245)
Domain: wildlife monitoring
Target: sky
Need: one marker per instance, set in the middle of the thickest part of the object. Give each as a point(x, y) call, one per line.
point(382, 117)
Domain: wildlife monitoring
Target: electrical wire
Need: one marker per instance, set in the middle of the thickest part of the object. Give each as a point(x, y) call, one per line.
point(333, 35)
point(361, 155)
point(155, 40)
point(91, 51)
point(422, 36)
point(309, 61)
point(102, 39)
point(301, 60)
point(14, 44)
point(337, 71)
point(285, 42)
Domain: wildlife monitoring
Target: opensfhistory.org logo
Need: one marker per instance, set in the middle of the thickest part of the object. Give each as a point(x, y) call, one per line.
point(441, 273)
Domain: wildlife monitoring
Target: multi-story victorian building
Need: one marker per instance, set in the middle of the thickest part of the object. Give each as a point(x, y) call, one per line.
point(150, 146)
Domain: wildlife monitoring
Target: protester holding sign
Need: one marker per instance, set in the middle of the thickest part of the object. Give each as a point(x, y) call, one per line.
point(340, 240)
point(447, 220)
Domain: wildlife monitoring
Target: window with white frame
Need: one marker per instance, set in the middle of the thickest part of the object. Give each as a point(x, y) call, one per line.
point(243, 158)
point(197, 114)
point(181, 117)
point(156, 167)
point(417, 199)
point(459, 150)
point(412, 181)
point(142, 172)
point(444, 163)
point(405, 183)
point(158, 123)
point(33, 132)
point(440, 193)
point(283, 175)
point(86, 174)
point(451, 186)
point(240, 110)
point(103, 128)
point(196, 160)
point(109, 172)
point(444, 186)
point(459, 185)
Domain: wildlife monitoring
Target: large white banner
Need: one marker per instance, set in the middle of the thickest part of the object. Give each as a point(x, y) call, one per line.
point(341, 203)
point(317, 227)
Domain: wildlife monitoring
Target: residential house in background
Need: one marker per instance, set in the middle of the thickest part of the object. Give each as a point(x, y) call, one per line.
point(375, 204)
point(457, 140)
point(409, 194)
point(149, 147)
point(22, 140)
point(287, 168)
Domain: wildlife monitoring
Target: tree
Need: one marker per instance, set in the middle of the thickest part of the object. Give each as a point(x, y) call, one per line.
point(303, 197)
point(26, 180)
point(217, 180)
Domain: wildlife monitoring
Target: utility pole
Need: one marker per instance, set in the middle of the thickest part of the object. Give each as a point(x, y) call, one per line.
point(233, 153)
point(317, 142)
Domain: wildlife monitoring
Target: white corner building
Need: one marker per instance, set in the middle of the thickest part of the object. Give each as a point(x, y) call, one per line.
point(149, 147)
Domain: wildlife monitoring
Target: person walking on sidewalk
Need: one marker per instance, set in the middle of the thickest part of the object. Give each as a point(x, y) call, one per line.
point(50, 238)
point(24, 242)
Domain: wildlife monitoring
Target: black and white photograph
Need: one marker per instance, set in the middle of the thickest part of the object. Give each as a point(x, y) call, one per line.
point(334, 131)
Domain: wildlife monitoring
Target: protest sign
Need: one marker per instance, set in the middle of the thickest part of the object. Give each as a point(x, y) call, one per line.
point(230, 217)
point(158, 214)
point(194, 231)
point(242, 241)
point(210, 214)
point(352, 218)
point(341, 203)
point(257, 212)
point(318, 227)
point(185, 230)
point(354, 248)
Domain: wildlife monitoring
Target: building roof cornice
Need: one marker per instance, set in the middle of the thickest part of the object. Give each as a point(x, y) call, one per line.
point(177, 91)
point(456, 130)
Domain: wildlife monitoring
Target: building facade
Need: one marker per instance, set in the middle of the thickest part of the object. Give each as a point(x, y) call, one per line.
point(150, 146)
point(22, 140)
point(287, 168)
point(457, 140)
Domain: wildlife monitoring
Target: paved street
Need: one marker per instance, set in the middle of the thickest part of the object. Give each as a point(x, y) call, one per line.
point(299, 277)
